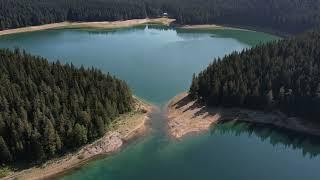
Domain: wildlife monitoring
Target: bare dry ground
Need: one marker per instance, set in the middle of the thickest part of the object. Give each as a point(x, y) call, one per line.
point(102, 25)
point(186, 116)
point(112, 25)
point(211, 26)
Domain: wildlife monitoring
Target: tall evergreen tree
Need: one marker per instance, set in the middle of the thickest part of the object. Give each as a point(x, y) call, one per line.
point(5, 155)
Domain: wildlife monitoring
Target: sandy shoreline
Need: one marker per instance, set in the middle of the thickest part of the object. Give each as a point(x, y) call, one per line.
point(125, 127)
point(183, 118)
point(114, 25)
point(102, 25)
point(211, 27)
point(186, 116)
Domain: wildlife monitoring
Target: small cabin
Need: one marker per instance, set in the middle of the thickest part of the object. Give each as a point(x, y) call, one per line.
point(164, 14)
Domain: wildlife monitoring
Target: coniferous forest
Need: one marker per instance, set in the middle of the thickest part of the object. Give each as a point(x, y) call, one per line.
point(280, 16)
point(282, 75)
point(47, 109)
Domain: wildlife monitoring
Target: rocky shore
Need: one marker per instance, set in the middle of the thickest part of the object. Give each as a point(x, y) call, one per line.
point(188, 116)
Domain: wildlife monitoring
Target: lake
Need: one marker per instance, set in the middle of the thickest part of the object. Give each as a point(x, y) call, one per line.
point(158, 62)
point(155, 61)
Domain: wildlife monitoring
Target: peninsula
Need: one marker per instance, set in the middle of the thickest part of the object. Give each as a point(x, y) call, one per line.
point(278, 82)
point(61, 116)
point(125, 127)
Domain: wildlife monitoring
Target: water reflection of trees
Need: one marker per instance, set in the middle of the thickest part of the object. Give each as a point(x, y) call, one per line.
point(101, 31)
point(310, 145)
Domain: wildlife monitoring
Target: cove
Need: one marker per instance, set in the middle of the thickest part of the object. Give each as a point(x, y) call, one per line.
point(158, 63)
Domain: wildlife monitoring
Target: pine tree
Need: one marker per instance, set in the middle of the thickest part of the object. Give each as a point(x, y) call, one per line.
point(79, 135)
point(2, 125)
point(318, 91)
point(5, 155)
point(269, 99)
point(194, 87)
point(49, 138)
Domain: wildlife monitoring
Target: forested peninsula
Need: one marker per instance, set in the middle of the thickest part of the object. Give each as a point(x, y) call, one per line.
point(49, 109)
point(276, 83)
point(282, 16)
point(283, 75)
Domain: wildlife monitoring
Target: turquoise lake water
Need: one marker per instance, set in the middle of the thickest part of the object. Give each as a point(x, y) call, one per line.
point(158, 63)
point(155, 61)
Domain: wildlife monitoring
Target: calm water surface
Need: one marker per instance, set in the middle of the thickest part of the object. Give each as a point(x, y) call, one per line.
point(158, 63)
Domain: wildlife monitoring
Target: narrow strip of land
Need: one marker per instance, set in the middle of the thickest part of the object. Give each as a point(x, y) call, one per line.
point(102, 25)
point(125, 127)
point(112, 25)
point(211, 27)
point(186, 116)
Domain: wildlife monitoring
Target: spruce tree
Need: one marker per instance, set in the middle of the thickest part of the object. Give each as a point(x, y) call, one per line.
point(5, 155)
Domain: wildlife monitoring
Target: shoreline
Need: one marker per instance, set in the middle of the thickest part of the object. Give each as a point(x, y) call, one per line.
point(212, 27)
point(117, 24)
point(187, 116)
point(125, 128)
point(183, 119)
point(102, 25)
point(232, 27)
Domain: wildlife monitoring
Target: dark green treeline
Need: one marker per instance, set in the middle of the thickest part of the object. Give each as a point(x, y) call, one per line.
point(279, 16)
point(47, 109)
point(282, 75)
